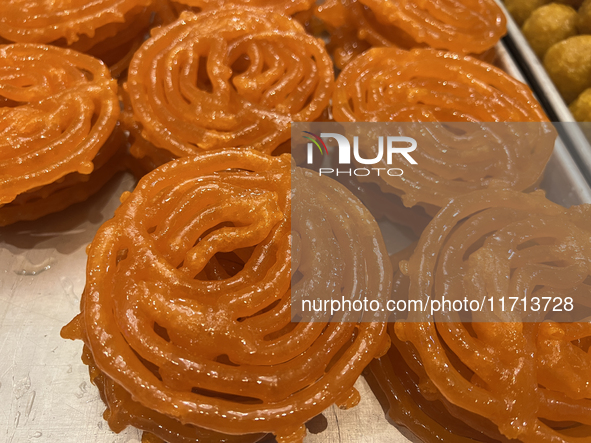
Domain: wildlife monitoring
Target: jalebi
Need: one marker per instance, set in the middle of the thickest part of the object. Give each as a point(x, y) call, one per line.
point(425, 85)
point(233, 77)
point(456, 155)
point(186, 312)
point(58, 114)
point(461, 26)
point(109, 29)
point(505, 375)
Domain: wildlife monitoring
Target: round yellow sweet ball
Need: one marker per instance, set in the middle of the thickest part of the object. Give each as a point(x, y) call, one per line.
point(520, 10)
point(549, 25)
point(584, 18)
point(568, 64)
point(581, 107)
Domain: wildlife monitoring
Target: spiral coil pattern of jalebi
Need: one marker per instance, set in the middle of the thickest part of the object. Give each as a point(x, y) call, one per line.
point(187, 302)
point(505, 374)
point(425, 85)
point(463, 26)
point(111, 30)
point(457, 156)
point(58, 108)
point(235, 77)
point(42, 22)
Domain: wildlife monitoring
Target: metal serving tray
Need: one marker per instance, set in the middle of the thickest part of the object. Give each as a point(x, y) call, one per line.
point(548, 95)
point(45, 393)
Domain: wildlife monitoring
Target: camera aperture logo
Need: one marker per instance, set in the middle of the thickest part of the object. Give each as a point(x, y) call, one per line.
point(389, 145)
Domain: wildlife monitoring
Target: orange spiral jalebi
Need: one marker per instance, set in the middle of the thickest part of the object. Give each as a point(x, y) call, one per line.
point(186, 311)
point(400, 379)
point(109, 29)
point(234, 77)
point(41, 22)
point(506, 375)
point(465, 27)
point(70, 189)
point(59, 111)
point(425, 85)
point(454, 154)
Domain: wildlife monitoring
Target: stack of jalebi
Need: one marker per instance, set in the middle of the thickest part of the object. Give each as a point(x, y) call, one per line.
point(458, 156)
point(186, 311)
point(506, 375)
point(58, 119)
point(108, 29)
point(462, 26)
point(233, 77)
